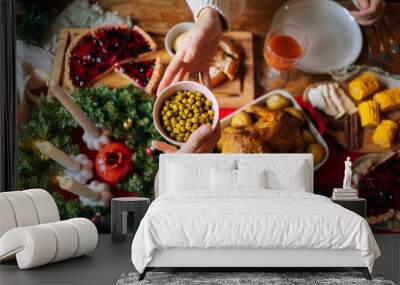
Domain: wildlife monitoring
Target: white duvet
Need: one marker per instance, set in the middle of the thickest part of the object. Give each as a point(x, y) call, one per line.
point(250, 219)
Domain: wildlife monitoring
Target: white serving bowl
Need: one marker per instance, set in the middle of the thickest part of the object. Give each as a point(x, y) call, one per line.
point(173, 33)
point(171, 90)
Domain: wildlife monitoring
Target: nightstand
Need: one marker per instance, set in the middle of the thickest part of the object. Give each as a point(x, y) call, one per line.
point(357, 205)
point(119, 215)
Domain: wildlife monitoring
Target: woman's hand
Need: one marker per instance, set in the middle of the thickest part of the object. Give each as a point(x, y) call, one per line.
point(370, 11)
point(197, 51)
point(203, 140)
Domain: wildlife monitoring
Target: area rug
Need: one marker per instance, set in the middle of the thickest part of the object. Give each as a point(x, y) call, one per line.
point(243, 278)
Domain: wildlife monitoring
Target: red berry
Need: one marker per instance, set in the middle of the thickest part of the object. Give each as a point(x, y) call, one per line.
point(149, 151)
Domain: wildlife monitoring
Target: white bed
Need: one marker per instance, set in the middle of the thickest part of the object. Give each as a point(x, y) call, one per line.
point(210, 226)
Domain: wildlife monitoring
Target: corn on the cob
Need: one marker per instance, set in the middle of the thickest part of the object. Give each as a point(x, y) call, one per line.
point(384, 134)
point(363, 86)
point(369, 113)
point(388, 100)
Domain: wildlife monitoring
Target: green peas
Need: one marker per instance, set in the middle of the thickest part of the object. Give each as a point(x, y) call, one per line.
point(183, 112)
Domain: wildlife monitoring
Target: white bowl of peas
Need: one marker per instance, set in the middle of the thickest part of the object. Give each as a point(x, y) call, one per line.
point(183, 107)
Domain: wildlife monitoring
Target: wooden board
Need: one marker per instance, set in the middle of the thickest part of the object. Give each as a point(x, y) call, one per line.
point(236, 93)
point(230, 94)
point(336, 128)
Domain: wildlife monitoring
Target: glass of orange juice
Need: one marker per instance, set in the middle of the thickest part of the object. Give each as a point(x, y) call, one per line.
point(284, 47)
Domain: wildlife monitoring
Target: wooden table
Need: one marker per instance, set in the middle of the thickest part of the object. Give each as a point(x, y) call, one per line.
point(161, 15)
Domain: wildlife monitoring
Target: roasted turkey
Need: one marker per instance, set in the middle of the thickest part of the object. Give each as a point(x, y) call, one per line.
point(273, 131)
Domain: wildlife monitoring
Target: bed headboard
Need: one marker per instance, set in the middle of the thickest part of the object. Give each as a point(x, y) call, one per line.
point(213, 158)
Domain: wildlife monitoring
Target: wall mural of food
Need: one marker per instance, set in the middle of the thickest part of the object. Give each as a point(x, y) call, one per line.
point(87, 133)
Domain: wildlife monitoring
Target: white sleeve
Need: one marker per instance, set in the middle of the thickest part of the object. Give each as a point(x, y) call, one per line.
point(227, 8)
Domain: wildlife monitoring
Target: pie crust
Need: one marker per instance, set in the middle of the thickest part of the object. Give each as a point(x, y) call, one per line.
point(150, 72)
point(96, 52)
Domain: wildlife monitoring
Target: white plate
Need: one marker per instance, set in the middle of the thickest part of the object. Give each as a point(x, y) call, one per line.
point(335, 39)
point(225, 122)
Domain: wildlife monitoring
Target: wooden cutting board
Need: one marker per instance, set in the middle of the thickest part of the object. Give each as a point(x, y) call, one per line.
point(230, 94)
point(336, 127)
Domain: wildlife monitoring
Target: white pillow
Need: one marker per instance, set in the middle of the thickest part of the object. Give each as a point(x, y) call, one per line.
point(186, 174)
point(181, 172)
point(288, 175)
point(227, 179)
point(223, 179)
point(181, 177)
point(291, 179)
point(251, 178)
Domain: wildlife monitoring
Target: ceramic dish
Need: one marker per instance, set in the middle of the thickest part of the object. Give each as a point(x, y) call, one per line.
point(171, 90)
point(334, 37)
point(261, 100)
point(173, 33)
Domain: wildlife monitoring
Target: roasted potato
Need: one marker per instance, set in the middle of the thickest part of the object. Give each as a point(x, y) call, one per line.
point(317, 151)
point(308, 137)
point(296, 113)
point(276, 101)
point(241, 120)
point(259, 110)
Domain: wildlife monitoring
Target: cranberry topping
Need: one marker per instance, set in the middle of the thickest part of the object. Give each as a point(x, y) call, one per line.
point(93, 55)
point(121, 42)
point(88, 61)
point(139, 72)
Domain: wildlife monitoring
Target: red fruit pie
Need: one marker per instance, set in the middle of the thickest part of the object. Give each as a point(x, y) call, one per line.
point(96, 52)
point(113, 162)
point(143, 74)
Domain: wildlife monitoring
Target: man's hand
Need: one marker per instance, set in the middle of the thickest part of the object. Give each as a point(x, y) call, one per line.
point(370, 11)
point(197, 51)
